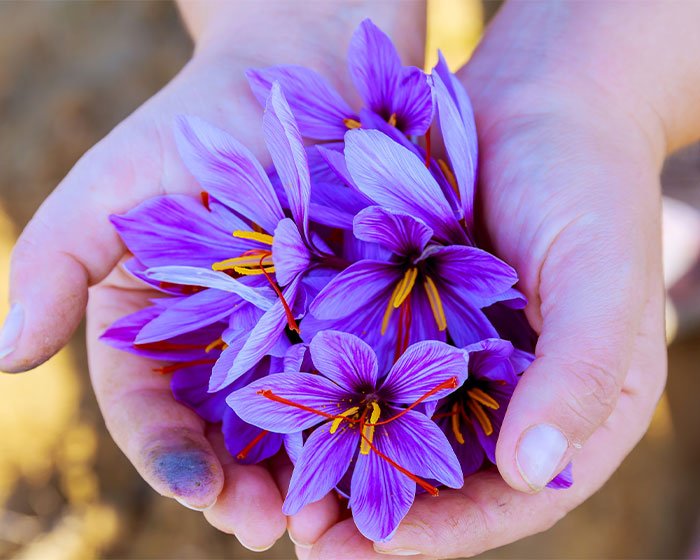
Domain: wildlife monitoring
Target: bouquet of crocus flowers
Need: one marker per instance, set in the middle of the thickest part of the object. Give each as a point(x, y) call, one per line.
point(336, 307)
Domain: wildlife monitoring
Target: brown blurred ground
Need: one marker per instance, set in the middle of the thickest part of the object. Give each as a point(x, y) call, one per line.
point(70, 71)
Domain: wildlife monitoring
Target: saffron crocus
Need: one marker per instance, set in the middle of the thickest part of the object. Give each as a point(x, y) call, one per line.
point(471, 416)
point(280, 250)
point(423, 291)
point(363, 423)
point(400, 95)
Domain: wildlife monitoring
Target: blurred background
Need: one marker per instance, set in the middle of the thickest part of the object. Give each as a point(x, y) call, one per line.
point(69, 72)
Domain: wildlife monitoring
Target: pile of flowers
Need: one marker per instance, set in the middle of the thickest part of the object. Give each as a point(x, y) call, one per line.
point(336, 307)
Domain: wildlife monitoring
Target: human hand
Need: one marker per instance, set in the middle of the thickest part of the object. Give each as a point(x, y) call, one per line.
point(70, 245)
point(571, 149)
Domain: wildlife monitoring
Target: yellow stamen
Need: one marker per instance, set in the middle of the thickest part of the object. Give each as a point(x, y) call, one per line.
point(218, 343)
point(368, 430)
point(483, 398)
point(435, 303)
point(336, 423)
point(250, 261)
point(352, 123)
point(253, 271)
point(448, 175)
point(254, 235)
point(455, 424)
point(392, 119)
point(389, 308)
point(404, 287)
point(481, 416)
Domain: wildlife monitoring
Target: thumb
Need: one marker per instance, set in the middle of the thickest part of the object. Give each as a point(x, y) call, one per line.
point(67, 246)
point(593, 285)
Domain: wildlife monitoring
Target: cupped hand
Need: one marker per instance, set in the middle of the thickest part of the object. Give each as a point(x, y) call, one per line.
point(70, 246)
point(570, 195)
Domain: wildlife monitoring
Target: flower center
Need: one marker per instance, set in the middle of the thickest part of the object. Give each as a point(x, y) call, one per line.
point(254, 262)
point(477, 400)
point(400, 299)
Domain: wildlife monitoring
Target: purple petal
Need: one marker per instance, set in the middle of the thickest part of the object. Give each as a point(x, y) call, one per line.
point(346, 360)
point(189, 314)
point(374, 66)
point(353, 288)
point(482, 277)
point(178, 229)
point(289, 252)
point(396, 179)
point(417, 444)
point(470, 454)
point(521, 360)
point(189, 386)
point(466, 323)
point(263, 337)
point(422, 368)
point(399, 232)
point(380, 495)
point(323, 462)
point(318, 108)
point(491, 359)
point(413, 102)
point(312, 391)
point(563, 480)
point(207, 278)
point(459, 136)
point(227, 170)
point(289, 156)
point(238, 434)
point(293, 444)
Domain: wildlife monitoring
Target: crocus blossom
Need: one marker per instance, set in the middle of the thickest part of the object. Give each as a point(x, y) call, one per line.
point(362, 420)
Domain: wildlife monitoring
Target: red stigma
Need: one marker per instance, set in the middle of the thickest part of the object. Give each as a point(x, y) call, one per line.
point(182, 365)
point(291, 322)
point(271, 396)
point(205, 200)
point(404, 330)
point(244, 452)
point(427, 148)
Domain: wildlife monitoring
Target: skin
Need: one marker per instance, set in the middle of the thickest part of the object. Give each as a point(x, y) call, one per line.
point(573, 131)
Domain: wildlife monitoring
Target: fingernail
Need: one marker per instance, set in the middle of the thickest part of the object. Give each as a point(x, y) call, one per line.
point(540, 452)
point(396, 551)
point(193, 508)
point(297, 543)
point(255, 548)
point(11, 330)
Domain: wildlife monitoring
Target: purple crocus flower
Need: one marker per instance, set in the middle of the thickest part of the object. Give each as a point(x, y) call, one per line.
point(472, 416)
point(362, 423)
point(400, 95)
point(273, 253)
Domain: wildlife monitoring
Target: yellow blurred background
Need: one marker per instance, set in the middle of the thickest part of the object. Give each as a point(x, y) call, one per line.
point(69, 72)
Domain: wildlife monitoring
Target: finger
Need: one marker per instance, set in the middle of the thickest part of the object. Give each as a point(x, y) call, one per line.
point(250, 505)
point(68, 245)
point(344, 542)
point(594, 281)
point(164, 440)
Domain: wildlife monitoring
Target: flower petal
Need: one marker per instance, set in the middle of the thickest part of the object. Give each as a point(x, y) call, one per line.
point(263, 337)
point(466, 323)
point(289, 252)
point(563, 480)
point(207, 278)
point(178, 229)
point(423, 367)
point(353, 288)
point(189, 387)
point(380, 495)
point(228, 170)
point(396, 179)
point(318, 108)
point(491, 359)
point(322, 463)
point(399, 232)
point(418, 445)
point(288, 154)
point(413, 102)
point(469, 453)
point(238, 435)
point(189, 314)
point(459, 136)
point(312, 391)
point(346, 360)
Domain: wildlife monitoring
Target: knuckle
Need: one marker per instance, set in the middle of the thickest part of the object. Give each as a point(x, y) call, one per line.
point(593, 394)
